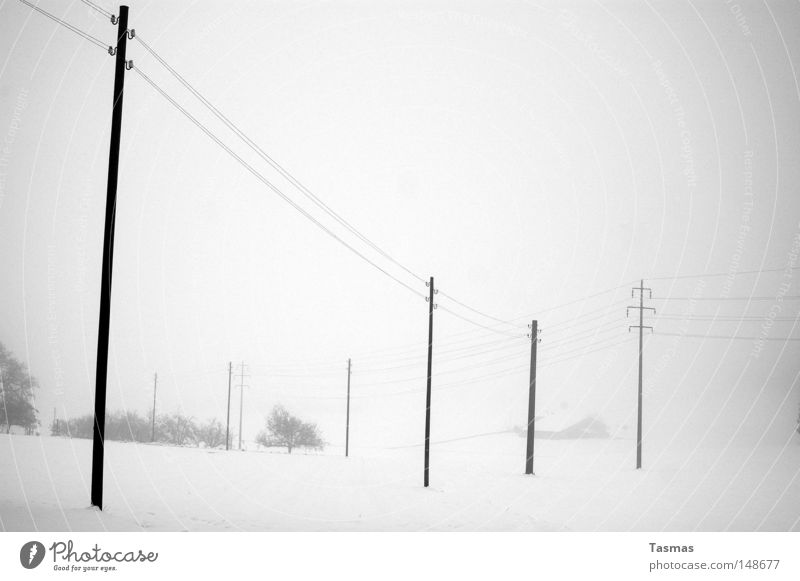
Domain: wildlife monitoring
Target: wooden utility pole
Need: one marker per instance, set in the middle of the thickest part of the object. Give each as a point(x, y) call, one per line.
point(431, 306)
point(534, 336)
point(108, 261)
point(641, 288)
point(347, 425)
point(228, 420)
point(155, 388)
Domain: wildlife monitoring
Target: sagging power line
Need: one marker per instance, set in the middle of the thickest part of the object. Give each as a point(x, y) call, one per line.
point(120, 52)
point(82, 33)
point(303, 189)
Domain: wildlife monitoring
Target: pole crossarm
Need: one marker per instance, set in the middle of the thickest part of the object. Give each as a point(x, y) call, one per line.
point(628, 309)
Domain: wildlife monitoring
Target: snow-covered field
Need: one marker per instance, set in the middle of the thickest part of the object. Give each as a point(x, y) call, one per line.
point(476, 484)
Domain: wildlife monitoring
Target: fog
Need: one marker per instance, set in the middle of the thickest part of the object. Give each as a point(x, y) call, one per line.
point(537, 159)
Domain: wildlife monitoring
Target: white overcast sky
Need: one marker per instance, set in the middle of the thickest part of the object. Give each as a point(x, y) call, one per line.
point(526, 154)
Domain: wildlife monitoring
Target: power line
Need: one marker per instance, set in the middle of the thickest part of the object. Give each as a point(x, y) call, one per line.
point(269, 184)
point(503, 354)
point(266, 157)
point(580, 351)
point(65, 24)
point(582, 299)
point(581, 348)
point(476, 311)
point(454, 351)
point(727, 318)
point(580, 320)
point(380, 370)
point(501, 373)
point(455, 384)
point(385, 356)
point(717, 274)
point(413, 361)
point(275, 189)
point(404, 351)
point(99, 9)
point(790, 297)
point(730, 337)
point(468, 320)
point(581, 336)
point(299, 185)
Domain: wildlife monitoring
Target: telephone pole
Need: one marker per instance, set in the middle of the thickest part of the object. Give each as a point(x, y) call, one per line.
point(431, 307)
point(99, 428)
point(241, 401)
point(534, 337)
point(228, 417)
point(641, 326)
point(347, 428)
point(155, 387)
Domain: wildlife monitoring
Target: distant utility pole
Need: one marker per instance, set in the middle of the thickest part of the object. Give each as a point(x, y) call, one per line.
point(3, 400)
point(99, 428)
point(241, 401)
point(534, 337)
point(347, 428)
point(641, 288)
point(155, 388)
point(431, 307)
point(228, 421)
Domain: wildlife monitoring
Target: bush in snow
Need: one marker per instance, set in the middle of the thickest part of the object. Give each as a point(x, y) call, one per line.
point(174, 429)
point(211, 434)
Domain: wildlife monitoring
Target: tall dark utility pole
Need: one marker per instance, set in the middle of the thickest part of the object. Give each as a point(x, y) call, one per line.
point(347, 428)
point(108, 261)
point(641, 288)
point(534, 336)
point(228, 421)
point(155, 387)
point(431, 306)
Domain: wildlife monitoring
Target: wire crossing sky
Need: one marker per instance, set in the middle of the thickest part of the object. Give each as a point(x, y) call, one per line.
point(538, 160)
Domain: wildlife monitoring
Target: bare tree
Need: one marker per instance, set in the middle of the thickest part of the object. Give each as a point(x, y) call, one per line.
point(16, 394)
point(286, 430)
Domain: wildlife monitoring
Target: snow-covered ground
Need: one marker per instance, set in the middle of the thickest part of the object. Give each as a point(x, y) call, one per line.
point(476, 484)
